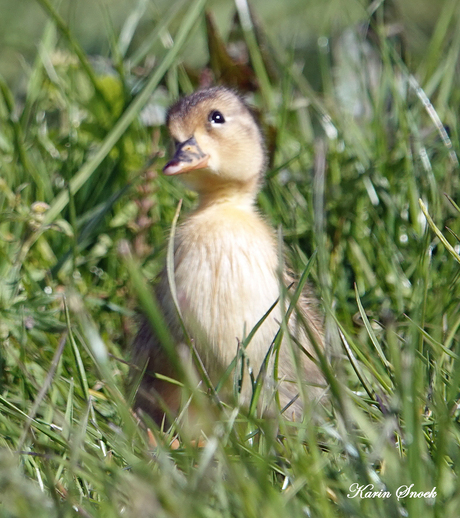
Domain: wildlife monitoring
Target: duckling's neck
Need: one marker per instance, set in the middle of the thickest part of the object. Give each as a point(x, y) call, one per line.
point(241, 194)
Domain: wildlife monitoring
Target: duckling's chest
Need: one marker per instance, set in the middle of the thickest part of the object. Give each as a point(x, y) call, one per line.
point(226, 265)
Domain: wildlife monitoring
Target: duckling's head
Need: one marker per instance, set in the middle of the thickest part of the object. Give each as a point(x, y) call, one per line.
point(219, 146)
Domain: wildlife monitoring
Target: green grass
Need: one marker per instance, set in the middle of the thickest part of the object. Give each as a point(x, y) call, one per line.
point(84, 221)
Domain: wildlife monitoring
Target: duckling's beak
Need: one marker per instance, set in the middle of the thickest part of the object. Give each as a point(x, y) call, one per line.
point(188, 156)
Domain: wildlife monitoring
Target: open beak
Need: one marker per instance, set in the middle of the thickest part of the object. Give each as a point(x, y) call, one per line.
point(188, 156)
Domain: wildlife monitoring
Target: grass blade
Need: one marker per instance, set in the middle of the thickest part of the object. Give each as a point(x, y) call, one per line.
point(88, 169)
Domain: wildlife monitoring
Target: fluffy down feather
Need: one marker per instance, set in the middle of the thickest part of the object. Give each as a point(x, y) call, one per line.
point(226, 259)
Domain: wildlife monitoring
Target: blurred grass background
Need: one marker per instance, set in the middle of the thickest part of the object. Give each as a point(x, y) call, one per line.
point(22, 24)
point(360, 105)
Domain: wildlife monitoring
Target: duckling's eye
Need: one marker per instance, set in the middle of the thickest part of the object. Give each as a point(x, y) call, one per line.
point(216, 117)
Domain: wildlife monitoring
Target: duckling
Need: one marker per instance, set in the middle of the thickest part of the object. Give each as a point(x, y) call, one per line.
point(226, 262)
